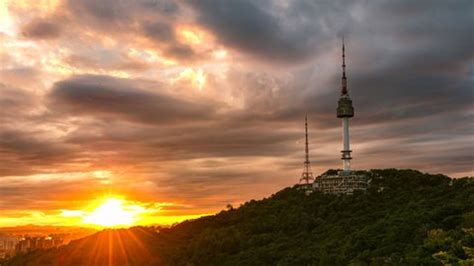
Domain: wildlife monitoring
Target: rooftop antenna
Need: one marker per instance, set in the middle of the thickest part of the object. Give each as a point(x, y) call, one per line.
point(307, 175)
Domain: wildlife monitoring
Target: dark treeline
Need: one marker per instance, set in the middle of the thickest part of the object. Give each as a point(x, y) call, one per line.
point(405, 218)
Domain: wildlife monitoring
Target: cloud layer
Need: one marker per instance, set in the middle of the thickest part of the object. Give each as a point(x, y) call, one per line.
point(201, 103)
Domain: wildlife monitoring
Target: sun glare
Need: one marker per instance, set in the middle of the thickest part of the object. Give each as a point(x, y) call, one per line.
point(116, 211)
point(113, 212)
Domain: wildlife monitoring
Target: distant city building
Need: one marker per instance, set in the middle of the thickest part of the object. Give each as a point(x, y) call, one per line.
point(28, 243)
point(7, 245)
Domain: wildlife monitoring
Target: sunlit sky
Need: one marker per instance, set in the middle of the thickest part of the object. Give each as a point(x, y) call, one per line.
point(168, 110)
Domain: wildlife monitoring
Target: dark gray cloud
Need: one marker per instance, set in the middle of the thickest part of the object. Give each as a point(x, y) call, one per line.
point(419, 66)
point(111, 11)
point(14, 101)
point(299, 30)
point(273, 30)
point(163, 35)
point(24, 152)
point(122, 99)
point(181, 52)
point(151, 19)
point(159, 31)
point(105, 14)
point(121, 63)
point(219, 137)
point(42, 29)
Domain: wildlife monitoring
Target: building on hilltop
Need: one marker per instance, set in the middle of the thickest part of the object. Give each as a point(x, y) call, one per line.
point(345, 181)
point(342, 183)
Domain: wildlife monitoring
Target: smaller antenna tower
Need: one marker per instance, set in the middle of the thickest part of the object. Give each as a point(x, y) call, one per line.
point(307, 175)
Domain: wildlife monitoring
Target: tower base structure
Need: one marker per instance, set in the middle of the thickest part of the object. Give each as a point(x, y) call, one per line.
point(345, 182)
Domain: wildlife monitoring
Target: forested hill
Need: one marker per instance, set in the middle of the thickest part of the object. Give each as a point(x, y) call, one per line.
point(416, 219)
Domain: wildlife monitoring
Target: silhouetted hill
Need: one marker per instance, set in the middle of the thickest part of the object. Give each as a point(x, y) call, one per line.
point(405, 218)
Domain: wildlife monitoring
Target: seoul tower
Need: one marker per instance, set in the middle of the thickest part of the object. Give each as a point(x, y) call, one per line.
point(345, 111)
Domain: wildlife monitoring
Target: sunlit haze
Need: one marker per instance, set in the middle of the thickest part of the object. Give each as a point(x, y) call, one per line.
point(113, 212)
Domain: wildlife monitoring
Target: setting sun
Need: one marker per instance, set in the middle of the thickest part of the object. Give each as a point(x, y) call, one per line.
point(113, 212)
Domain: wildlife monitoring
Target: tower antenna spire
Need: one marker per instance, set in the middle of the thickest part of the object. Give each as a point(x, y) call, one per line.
point(344, 78)
point(306, 138)
point(307, 175)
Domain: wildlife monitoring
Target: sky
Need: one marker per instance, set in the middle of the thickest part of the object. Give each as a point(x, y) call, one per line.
point(181, 107)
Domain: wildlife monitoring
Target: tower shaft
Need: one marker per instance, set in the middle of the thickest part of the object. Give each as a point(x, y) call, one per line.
point(346, 152)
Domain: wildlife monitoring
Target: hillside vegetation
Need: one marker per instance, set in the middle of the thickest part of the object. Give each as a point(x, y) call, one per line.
point(405, 218)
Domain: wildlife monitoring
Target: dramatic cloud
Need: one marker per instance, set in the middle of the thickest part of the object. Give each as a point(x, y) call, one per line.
point(159, 31)
point(123, 100)
point(274, 30)
point(42, 29)
point(202, 103)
